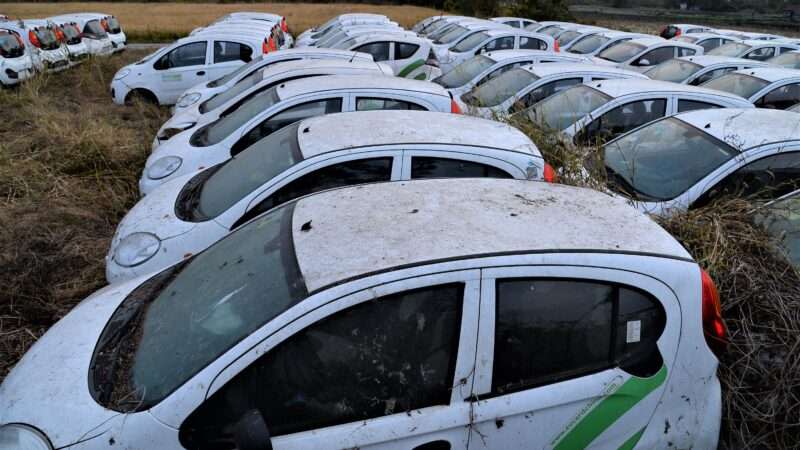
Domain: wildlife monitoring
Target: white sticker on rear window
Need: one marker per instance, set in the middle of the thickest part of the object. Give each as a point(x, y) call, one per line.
point(634, 331)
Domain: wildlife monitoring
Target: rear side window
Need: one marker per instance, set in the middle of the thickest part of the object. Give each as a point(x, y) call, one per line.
point(655, 57)
point(348, 173)
point(512, 23)
point(403, 50)
point(378, 50)
point(193, 54)
point(542, 92)
point(387, 356)
point(231, 51)
point(683, 51)
point(504, 43)
point(761, 54)
point(529, 43)
point(691, 105)
point(623, 119)
point(781, 98)
point(710, 44)
point(375, 104)
point(711, 75)
point(549, 330)
point(427, 167)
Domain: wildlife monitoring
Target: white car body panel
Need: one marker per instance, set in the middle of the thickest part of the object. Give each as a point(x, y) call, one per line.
point(21, 66)
point(51, 60)
point(650, 44)
point(450, 58)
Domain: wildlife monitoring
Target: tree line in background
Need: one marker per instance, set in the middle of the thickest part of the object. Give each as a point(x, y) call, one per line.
point(760, 6)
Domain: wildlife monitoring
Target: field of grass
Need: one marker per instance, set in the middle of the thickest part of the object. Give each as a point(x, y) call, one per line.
point(163, 22)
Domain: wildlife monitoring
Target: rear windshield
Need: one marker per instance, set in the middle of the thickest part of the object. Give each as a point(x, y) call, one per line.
point(232, 92)
point(451, 31)
point(179, 321)
point(215, 132)
point(499, 89)
point(113, 25)
point(465, 72)
point(10, 46)
point(674, 70)
point(47, 37)
point(622, 52)
point(552, 30)
point(790, 60)
point(730, 49)
point(71, 33)
point(93, 30)
point(560, 111)
point(736, 83)
point(642, 166)
point(567, 37)
point(239, 70)
point(470, 42)
point(245, 172)
point(588, 44)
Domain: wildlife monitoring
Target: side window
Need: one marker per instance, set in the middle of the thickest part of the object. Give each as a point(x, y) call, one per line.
point(193, 54)
point(512, 23)
point(403, 50)
point(710, 44)
point(388, 356)
point(529, 43)
point(373, 104)
point(231, 51)
point(622, 119)
point(764, 179)
point(549, 330)
point(542, 92)
point(378, 50)
point(781, 98)
point(504, 43)
point(501, 70)
point(691, 105)
point(761, 54)
point(787, 49)
point(427, 167)
point(655, 57)
point(682, 51)
point(711, 75)
point(286, 117)
point(348, 173)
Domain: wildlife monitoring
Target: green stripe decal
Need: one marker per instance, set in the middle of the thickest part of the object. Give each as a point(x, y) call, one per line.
point(411, 67)
point(632, 441)
point(609, 410)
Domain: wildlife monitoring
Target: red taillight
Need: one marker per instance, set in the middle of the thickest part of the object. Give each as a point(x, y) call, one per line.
point(104, 24)
point(557, 47)
point(284, 27)
point(272, 46)
point(454, 108)
point(34, 40)
point(549, 174)
point(713, 326)
point(60, 35)
point(264, 47)
point(678, 32)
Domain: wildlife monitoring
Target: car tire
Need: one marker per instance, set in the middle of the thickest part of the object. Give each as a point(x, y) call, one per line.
point(142, 95)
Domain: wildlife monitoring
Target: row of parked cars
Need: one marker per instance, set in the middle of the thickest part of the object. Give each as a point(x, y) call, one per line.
point(55, 43)
point(337, 247)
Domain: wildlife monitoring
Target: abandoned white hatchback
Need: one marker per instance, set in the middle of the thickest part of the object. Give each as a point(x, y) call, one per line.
point(696, 70)
point(186, 215)
point(642, 53)
point(429, 314)
point(765, 87)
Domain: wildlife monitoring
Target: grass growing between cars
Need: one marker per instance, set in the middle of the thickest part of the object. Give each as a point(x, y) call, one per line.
point(760, 295)
point(69, 163)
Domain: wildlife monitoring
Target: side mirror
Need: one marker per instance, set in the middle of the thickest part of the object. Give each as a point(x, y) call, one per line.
point(251, 432)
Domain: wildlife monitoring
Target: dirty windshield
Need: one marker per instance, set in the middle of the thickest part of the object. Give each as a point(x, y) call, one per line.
point(239, 70)
point(731, 49)
point(561, 110)
point(621, 52)
point(588, 44)
point(499, 89)
point(232, 92)
point(674, 70)
point(736, 83)
point(465, 72)
point(216, 132)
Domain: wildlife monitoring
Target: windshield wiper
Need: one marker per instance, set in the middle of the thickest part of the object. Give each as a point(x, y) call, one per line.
point(618, 183)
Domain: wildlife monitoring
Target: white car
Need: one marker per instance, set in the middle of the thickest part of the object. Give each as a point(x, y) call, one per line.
point(570, 36)
point(795, 108)
point(592, 44)
point(41, 41)
point(643, 53)
point(696, 70)
point(16, 65)
point(492, 40)
point(525, 86)
point(552, 27)
point(345, 34)
point(765, 87)
point(788, 60)
point(689, 160)
point(682, 29)
point(191, 212)
point(408, 56)
point(759, 50)
point(781, 219)
point(226, 102)
point(601, 110)
point(267, 17)
point(93, 34)
point(421, 314)
point(270, 32)
point(423, 25)
point(708, 40)
point(458, 30)
point(203, 91)
point(273, 109)
point(112, 26)
point(72, 39)
point(164, 75)
point(484, 67)
point(746, 35)
point(309, 36)
point(516, 22)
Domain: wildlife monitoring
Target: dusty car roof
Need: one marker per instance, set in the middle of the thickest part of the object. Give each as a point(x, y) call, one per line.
point(709, 60)
point(612, 34)
point(619, 88)
point(357, 82)
point(653, 40)
point(546, 70)
point(361, 230)
point(357, 129)
point(705, 35)
point(746, 128)
point(304, 64)
point(771, 74)
point(501, 55)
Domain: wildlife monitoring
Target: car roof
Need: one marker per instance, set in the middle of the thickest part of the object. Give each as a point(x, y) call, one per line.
point(619, 88)
point(708, 60)
point(360, 230)
point(652, 40)
point(706, 34)
point(514, 31)
point(301, 64)
point(612, 34)
point(746, 128)
point(566, 68)
point(346, 130)
point(323, 51)
point(406, 36)
point(771, 74)
point(303, 86)
point(763, 43)
point(501, 55)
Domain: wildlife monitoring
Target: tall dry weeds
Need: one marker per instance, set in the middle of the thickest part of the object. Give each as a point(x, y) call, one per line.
point(69, 163)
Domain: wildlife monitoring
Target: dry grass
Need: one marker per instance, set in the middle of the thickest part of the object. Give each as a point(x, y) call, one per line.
point(145, 21)
point(69, 162)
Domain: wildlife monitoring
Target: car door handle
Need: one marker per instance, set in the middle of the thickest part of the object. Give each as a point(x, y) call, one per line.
point(201, 73)
point(434, 445)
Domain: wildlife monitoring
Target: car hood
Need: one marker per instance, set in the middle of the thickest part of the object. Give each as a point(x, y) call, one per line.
point(49, 386)
point(603, 62)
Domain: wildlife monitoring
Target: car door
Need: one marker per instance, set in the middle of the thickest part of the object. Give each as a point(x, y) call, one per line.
point(386, 367)
point(570, 357)
point(226, 56)
point(782, 97)
point(180, 69)
point(425, 163)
